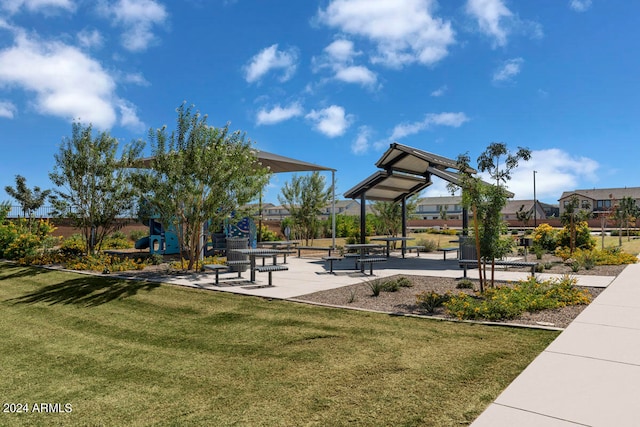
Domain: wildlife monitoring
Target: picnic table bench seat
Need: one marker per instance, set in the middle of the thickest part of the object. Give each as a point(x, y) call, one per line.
point(270, 269)
point(445, 250)
point(216, 268)
point(370, 261)
point(416, 248)
point(474, 262)
point(331, 259)
point(313, 248)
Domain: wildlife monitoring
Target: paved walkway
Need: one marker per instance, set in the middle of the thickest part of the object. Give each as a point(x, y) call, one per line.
point(589, 375)
point(308, 275)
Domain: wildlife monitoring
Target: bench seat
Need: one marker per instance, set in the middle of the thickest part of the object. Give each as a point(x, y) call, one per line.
point(415, 248)
point(313, 248)
point(270, 269)
point(445, 250)
point(468, 262)
point(370, 261)
point(216, 268)
point(331, 259)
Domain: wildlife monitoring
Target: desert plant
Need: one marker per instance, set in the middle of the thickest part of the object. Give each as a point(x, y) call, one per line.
point(376, 286)
point(352, 295)
point(430, 300)
point(464, 284)
point(404, 282)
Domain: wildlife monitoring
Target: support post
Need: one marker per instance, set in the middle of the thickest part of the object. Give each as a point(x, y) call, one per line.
point(363, 211)
point(404, 224)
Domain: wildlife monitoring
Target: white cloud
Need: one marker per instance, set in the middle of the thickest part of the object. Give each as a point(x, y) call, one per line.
point(90, 38)
point(404, 31)
point(278, 114)
point(440, 91)
point(13, 6)
point(331, 121)
point(440, 119)
point(339, 58)
point(65, 81)
point(580, 5)
point(129, 117)
point(341, 50)
point(556, 171)
point(508, 70)
point(271, 58)
point(137, 18)
point(361, 144)
point(491, 16)
point(7, 110)
point(356, 74)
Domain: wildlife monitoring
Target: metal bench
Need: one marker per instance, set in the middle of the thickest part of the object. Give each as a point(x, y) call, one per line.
point(270, 269)
point(238, 263)
point(415, 248)
point(216, 268)
point(465, 263)
point(445, 250)
point(331, 259)
point(313, 248)
point(370, 261)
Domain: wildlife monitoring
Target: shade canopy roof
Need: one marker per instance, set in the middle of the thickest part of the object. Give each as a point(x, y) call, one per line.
point(405, 171)
point(275, 162)
point(388, 186)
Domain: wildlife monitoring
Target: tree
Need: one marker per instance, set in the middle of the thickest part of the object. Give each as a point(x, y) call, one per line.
point(486, 201)
point(94, 185)
point(626, 212)
point(304, 197)
point(524, 216)
point(199, 174)
point(572, 216)
point(30, 200)
point(389, 215)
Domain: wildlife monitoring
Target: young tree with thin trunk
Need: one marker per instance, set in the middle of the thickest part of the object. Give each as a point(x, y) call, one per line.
point(304, 197)
point(199, 174)
point(94, 185)
point(29, 200)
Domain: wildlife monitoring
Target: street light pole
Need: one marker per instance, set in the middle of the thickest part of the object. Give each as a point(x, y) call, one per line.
point(535, 201)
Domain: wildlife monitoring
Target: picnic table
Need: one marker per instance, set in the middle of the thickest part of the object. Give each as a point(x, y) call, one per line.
point(258, 252)
point(393, 239)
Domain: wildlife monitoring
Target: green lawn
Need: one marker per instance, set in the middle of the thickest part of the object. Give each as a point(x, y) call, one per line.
point(133, 353)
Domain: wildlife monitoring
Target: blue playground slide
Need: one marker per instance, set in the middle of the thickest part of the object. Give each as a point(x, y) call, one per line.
point(142, 243)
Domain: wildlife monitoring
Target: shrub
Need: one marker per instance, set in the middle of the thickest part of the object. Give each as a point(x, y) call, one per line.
point(539, 268)
point(545, 237)
point(18, 240)
point(503, 303)
point(117, 240)
point(584, 240)
point(404, 282)
point(431, 300)
point(429, 245)
point(390, 286)
point(465, 284)
point(73, 245)
point(136, 235)
point(376, 286)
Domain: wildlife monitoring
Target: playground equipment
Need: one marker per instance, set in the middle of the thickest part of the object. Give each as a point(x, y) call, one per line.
point(159, 241)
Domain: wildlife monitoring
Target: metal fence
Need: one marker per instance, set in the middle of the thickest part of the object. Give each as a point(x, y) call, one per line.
point(43, 212)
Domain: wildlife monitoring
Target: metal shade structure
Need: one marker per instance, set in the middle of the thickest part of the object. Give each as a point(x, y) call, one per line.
point(405, 171)
point(280, 164)
point(388, 186)
point(275, 162)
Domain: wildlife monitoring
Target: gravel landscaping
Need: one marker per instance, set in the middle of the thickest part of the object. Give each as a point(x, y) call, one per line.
point(403, 301)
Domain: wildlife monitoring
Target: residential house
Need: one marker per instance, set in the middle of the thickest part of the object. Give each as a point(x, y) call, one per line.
point(513, 208)
point(599, 200)
point(447, 207)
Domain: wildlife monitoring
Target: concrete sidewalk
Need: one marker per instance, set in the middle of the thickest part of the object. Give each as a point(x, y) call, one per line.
point(589, 375)
point(308, 275)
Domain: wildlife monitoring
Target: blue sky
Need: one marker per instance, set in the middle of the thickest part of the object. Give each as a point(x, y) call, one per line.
point(333, 82)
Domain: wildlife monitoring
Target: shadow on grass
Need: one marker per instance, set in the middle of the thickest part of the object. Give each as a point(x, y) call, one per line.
point(85, 291)
point(21, 271)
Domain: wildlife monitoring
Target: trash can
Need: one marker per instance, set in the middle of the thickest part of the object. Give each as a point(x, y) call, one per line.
point(467, 248)
point(237, 243)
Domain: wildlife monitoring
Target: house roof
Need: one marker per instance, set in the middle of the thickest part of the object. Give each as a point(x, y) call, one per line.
point(604, 193)
point(440, 200)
